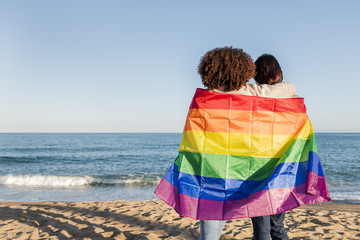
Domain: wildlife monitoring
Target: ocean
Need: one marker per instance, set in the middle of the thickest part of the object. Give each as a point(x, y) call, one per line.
point(128, 166)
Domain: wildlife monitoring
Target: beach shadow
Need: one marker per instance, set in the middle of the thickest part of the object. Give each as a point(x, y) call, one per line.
point(46, 217)
point(53, 224)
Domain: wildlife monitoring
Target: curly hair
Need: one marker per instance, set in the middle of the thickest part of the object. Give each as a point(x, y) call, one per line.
point(268, 70)
point(226, 68)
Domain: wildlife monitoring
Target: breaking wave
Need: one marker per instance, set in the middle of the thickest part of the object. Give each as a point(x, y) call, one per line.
point(75, 181)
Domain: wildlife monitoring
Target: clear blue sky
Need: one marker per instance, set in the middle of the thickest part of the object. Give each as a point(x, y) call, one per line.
point(131, 66)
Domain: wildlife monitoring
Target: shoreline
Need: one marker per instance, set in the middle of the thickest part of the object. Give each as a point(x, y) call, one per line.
point(337, 205)
point(156, 220)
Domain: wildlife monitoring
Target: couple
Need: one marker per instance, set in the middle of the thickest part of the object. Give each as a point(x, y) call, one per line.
point(248, 150)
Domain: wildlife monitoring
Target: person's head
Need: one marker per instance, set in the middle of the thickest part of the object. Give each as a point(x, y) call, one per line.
point(226, 68)
point(268, 70)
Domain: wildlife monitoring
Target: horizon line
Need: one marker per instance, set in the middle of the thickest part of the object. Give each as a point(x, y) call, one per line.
point(355, 131)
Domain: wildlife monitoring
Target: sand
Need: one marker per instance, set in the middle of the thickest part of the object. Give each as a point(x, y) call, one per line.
point(155, 220)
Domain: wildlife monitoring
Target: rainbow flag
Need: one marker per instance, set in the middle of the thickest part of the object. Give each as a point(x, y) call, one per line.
point(243, 156)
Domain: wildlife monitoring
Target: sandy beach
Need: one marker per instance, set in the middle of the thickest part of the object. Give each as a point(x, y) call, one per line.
point(155, 220)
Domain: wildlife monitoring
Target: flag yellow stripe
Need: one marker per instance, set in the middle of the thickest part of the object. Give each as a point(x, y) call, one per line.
point(242, 144)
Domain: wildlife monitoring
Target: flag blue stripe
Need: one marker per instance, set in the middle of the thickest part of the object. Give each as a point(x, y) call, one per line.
point(220, 189)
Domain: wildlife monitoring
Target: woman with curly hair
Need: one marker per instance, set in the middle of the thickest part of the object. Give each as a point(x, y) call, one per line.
point(228, 70)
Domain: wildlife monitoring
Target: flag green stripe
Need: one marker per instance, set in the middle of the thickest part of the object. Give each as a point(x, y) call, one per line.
point(242, 167)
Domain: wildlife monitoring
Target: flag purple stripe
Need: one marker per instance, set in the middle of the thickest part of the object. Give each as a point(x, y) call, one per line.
point(258, 204)
point(316, 185)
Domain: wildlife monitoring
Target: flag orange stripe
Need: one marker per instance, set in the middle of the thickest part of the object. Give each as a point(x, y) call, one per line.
point(238, 121)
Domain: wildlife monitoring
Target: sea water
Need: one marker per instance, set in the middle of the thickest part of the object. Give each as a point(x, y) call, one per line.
point(128, 166)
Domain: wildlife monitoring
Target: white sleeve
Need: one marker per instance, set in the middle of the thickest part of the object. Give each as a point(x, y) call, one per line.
point(277, 90)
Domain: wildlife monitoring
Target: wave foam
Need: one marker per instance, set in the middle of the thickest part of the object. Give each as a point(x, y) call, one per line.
point(138, 182)
point(46, 180)
point(345, 196)
point(75, 181)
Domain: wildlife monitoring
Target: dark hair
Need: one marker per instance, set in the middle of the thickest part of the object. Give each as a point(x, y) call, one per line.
point(268, 70)
point(228, 68)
